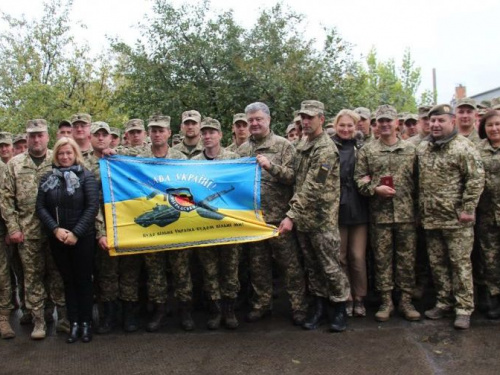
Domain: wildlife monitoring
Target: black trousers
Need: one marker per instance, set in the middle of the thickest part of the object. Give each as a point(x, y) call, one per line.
point(75, 263)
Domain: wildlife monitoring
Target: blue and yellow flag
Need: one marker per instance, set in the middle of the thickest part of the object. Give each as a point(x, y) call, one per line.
point(161, 204)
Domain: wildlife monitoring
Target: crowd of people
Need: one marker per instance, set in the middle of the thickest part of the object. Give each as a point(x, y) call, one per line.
point(417, 194)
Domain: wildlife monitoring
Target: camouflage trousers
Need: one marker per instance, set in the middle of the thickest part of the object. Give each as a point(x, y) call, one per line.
point(220, 271)
point(325, 274)
point(449, 256)
point(394, 251)
point(17, 274)
point(130, 270)
point(489, 240)
point(5, 284)
point(39, 271)
point(285, 251)
point(108, 276)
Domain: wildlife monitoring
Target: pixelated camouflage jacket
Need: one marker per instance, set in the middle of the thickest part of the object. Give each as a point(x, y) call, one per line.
point(276, 185)
point(198, 149)
point(488, 209)
point(451, 180)
point(224, 154)
point(314, 206)
point(19, 192)
point(3, 167)
point(398, 161)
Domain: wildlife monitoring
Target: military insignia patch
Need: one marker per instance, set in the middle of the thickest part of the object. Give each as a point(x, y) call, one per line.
point(323, 173)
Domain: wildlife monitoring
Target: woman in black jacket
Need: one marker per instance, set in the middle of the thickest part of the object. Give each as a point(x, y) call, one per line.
point(67, 204)
point(353, 213)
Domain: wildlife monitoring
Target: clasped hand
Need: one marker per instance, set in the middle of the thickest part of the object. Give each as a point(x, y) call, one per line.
point(65, 236)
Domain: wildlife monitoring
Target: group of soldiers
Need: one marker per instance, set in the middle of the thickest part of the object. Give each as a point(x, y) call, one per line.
point(423, 175)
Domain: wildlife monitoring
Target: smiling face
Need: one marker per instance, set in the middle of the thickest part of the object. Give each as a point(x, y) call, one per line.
point(442, 126)
point(66, 156)
point(466, 116)
point(259, 124)
point(387, 127)
point(345, 127)
point(492, 130)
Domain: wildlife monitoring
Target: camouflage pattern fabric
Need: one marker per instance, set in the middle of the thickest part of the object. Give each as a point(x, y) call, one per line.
point(198, 149)
point(5, 282)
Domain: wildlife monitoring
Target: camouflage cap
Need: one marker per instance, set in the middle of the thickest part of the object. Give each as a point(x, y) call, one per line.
point(482, 111)
point(191, 115)
point(19, 137)
point(96, 126)
point(363, 112)
point(5, 138)
point(212, 123)
point(466, 102)
point(423, 110)
point(36, 126)
point(329, 124)
point(134, 124)
point(386, 111)
point(240, 117)
point(485, 104)
point(411, 116)
point(159, 120)
point(115, 131)
point(496, 107)
point(296, 116)
point(311, 108)
point(176, 137)
point(289, 128)
point(63, 123)
point(441, 109)
point(81, 117)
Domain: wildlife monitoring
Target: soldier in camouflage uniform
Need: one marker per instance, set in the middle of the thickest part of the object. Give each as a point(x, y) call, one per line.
point(488, 209)
point(219, 263)
point(314, 211)
point(240, 131)
point(80, 123)
point(191, 144)
point(466, 116)
point(363, 124)
point(115, 137)
point(451, 179)
point(275, 155)
point(20, 144)
point(18, 210)
point(386, 173)
point(6, 305)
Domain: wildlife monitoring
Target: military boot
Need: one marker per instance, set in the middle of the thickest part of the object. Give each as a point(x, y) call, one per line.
point(315, 314)
point(230, 320)
point(26, 318)
point(337, 316)
point(494, 311)
point(108, 320)
point(185, 309)
point(49, 312)
point(483, 298)
point(407, 309)
point(62, 320)
point(6, 331)
point(130, 319)
point(39, 330)
point(214, 315)
point(158, 318)
point(386, 308)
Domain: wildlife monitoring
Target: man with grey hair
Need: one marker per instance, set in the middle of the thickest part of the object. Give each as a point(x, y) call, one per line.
point(275, 155)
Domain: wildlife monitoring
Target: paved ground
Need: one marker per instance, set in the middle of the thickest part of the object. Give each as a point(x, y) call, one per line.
point(272, 346)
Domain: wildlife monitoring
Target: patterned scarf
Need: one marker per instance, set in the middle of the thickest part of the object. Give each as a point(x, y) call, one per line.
point(69, 175)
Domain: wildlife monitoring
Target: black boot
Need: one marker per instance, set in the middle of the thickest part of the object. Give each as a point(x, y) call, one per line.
point(483, 299)
point(315, 314)
point(185, 308)
point(74, 333)
point(86, 328)
point(230, 320)
point(108, 320)
point(158, 318)
point(337, 315)
point(494, 311)
point(214, 316)
point(130, 320)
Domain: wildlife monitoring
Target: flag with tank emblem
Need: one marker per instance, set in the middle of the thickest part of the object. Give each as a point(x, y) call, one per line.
point(162, 204)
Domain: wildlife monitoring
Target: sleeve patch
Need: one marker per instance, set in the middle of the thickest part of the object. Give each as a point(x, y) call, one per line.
point(323, 173)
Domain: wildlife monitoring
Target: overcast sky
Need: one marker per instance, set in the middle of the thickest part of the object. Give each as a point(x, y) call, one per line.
point(456, 37)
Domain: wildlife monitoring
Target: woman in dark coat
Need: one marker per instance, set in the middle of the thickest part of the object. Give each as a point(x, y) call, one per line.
point(67, 204)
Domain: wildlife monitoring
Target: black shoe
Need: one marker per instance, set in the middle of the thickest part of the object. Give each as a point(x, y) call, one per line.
point(86, 328)
point(215, 315)
point(130, 320)
point(74, 333)
point(257, 314)
point(315, 315)
point(337, 315)
point(483, 298)
point(494, 311)
point(185, 309)
point(230, 320)
point(299, 317)
point(108, 320)
point(158, 318)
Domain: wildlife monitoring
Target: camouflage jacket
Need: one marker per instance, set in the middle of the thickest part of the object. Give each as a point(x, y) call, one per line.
point(189, 154)
point(416, 139)
point(314, 206)
point(3, 228)
point(398, 161)
point(92, 164)
point(474, 137)
point(451, 179)
point(224, 154)
point(488, 209)
point(276, 185)
point(19, 193)
point(232, 147)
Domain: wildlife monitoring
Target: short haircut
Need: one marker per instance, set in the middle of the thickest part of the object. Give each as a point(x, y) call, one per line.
point(346, 112)
point(76, 149)
point(257, 106)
